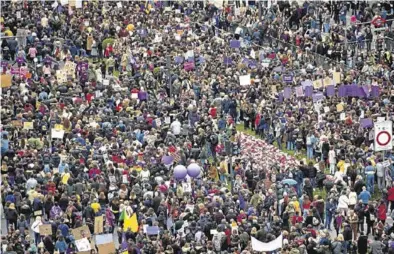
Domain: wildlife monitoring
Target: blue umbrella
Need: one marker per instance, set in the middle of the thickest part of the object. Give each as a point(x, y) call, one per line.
point(289, 181)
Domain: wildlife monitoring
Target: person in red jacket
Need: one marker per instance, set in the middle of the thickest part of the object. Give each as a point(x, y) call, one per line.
point(390, 197)
point(382, 210)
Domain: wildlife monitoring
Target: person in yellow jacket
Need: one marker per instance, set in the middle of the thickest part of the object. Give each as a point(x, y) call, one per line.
point(95, 206)
point(341, 166)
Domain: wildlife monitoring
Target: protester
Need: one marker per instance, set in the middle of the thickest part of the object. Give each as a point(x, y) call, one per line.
point(187, 127)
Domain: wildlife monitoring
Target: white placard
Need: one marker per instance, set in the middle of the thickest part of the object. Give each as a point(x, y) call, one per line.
point(177, 37)
point(106, 82)
point(63, 2)
point(244, 80)
point(119, 5)
point(190, 207)
point(342, 116)
point(187, 187)
point(83, 244)
point(253, 54)
point(134, 96)
point(57, 134)
point(264, 247)
point(18, 14)
point(78, 4)
point(381, 119)
point(55, 5)
point(125, 179)
point(326, 109)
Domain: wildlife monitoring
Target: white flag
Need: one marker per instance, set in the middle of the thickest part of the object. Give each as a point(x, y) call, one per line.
point(271, 246)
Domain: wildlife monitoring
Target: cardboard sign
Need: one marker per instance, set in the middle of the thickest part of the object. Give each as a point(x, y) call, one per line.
point(317, 84)
point(327, 81)
point(336, 76)
point(98, 224)
point(6, 80)
point(108, 248)
point(17, 123)
point(45, 229)
point(28, 125)
point(81, 232)
point(339, 107)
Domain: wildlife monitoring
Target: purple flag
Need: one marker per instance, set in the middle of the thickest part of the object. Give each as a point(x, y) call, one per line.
point(342, 91)
point(188, 66)
point(375, 92)
point(317, 97)
point(252, 64)
point(366, 123)
point(190, 59)
point(124, 245)
point(330, 90)
point(287, 92)
point(228, 60)
point(201, 59)
point(308, 91)
point(152, 230)
point(178, 59)
point(235, 44)
point(280, 97)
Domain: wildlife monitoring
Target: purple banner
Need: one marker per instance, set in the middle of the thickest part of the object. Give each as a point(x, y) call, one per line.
point(280, 97)
point(366, 123)
point(330, 90)
point(288, 78)
point(287, 92)
point(366, 91)
point(317, 97)
point(308, 91)
point(235, 44)
point(375, 92)
point(201, 59)
point(342, 91)
point(228, 60)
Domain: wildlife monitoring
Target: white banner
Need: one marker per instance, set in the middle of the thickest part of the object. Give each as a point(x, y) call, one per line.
point(383, 137)
point(271, 246)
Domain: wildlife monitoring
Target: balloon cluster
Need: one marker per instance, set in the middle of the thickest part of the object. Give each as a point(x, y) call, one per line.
point(193, 170)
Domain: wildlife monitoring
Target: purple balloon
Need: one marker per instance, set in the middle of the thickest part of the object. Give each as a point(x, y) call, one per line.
point(193, 170)
point(180, 172)
point(167, 160)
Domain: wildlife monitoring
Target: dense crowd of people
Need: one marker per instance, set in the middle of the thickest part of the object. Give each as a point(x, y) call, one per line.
point(103, 101)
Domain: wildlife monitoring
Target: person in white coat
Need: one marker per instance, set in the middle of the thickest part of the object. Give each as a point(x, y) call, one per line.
point(352, 199)
point(343, 203)
point(36, 229)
